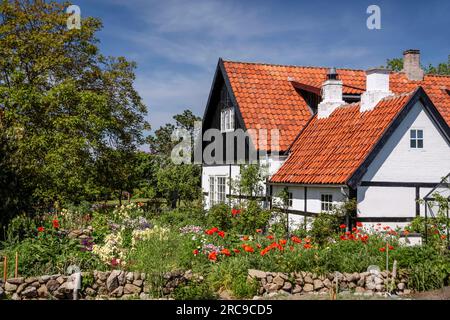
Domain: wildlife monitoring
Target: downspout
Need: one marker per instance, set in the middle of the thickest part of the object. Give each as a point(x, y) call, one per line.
point(305, 204)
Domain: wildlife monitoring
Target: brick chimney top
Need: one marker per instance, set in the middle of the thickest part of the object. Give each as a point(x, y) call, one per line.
point(411, 65)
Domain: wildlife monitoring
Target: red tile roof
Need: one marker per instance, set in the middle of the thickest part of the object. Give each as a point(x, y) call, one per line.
point(267, 98)
point(330, 150)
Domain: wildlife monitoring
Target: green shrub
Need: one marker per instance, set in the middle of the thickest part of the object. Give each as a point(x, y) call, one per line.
point(194, 291)
point(220, 216)
point(252, 217)
point(325, 227)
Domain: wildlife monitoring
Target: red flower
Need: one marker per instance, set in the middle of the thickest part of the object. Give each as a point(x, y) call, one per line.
point(236, 250)
point(215, 229)
point(226, 252)
point(347, 233)
point(265, 251)
point(258, 246)
point(342, 226)
point(245, 238)
point(405, 232)
point(391, 248)
point(354, 229)
point(343, 237)
point(41, 229)
point(114, 262)
point(283, 242)
point(382, 249)
point(55, 223)
point(270, 237)
point(248, 248)
point(443, 237)
point(296, 239)
point(359, 224)
point(291, 248)
point(212, 256)
point(307, 246)
point(195, 252)
point(221, 234)
point(234, 212)
point(209, 232)
point(258, 230)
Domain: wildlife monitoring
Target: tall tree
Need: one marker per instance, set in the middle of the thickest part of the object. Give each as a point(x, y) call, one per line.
point(63, 105)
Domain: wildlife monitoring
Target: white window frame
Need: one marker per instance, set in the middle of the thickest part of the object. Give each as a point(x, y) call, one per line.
point(217, 189)
point(326, 202)
point(290, 199)
point(416, 138)
point(227, 120)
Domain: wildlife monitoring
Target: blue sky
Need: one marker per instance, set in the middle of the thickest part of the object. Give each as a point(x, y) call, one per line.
point(177, 43)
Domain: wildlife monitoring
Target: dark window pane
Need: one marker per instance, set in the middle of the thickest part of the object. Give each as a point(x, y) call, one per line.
point(413, 134)
point(420, 134)
point(413, 143)
point(419, 143)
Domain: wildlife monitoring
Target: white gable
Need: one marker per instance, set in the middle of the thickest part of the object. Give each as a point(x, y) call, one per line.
point(397, 162)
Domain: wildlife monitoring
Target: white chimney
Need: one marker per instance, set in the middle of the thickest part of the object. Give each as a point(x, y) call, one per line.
point(377, 88)
point(411, 65)
point(331, 95)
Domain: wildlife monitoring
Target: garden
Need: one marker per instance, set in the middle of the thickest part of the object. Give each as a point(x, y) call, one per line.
point(219, 247)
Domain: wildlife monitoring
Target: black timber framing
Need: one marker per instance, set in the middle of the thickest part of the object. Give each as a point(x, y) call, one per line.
point(415, 185)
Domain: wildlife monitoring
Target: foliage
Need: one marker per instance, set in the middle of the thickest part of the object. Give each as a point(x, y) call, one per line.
point(63, 107)
point(194, 291)
point(220, 215)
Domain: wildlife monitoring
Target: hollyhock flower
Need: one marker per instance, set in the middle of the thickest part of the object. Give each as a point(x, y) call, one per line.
point(226, 252)
point(40, 229)
point(195, 252)
point(382, 249)
point(342, 226)
point(221, 234)
point(212, 256)
point(296, 239)
point(55, 223)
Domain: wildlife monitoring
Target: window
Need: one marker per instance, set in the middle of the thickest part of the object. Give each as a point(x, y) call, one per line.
point(416, 139)
point(326, 202)
point(290, 199)
point(217, 187)
point(227, 120)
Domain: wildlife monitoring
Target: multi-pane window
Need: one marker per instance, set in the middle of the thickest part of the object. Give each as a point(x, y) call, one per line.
point(217, 187)
point(416, 139)
point(227, 111)
point(227, 120)
point(326, 202)
point(290, 197)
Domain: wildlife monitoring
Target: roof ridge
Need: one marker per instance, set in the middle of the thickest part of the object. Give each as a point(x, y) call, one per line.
point(289, 65)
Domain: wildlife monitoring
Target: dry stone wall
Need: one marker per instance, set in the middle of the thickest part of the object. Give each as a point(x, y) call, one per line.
point(271, 283)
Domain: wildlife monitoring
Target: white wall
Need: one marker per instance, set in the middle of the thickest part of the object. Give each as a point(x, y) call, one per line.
point(313, 199)
point(397, 162)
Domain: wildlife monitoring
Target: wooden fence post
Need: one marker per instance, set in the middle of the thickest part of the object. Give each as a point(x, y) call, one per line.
point(16, 269)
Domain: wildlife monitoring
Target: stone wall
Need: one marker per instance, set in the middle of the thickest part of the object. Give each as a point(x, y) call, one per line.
point(271, 283)
point(114, 284)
